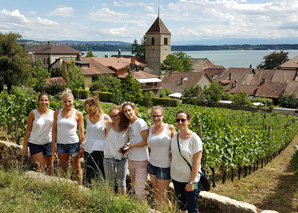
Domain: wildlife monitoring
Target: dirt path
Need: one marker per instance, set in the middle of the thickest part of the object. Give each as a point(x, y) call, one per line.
point(273, 187)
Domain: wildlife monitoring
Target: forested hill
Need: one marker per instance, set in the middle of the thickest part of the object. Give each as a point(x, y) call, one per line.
point(124, 46)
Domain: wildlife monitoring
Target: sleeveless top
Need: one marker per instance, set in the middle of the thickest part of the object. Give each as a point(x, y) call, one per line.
point(160, 146)
point(41, 132)
point(114, 141)
point(95, 135)
point(67, 129)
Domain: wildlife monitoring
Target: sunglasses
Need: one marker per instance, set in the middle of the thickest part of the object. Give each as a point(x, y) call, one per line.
point(182, 120)
point(115, 116)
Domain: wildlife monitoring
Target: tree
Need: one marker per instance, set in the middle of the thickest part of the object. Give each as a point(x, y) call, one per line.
point(273, 60)
point(177, 62)
point(241, 99)
point(288, 101)
point(14, 61)
point(139, 49)
point(214, 92)
point(130, 88)
point(90, 54)
point(106, 83)
point(193, 95)
point(39, 76)
point(74, 76)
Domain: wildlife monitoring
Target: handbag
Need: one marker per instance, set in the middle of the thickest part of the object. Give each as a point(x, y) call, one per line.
point(205, 179)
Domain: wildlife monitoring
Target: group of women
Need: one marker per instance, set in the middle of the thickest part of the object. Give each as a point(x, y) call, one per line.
point(107, 153)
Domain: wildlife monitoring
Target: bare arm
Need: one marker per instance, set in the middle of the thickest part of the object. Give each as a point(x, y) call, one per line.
point(30, 120)
point(195, 169)
point(54, 132)
point(80, 120)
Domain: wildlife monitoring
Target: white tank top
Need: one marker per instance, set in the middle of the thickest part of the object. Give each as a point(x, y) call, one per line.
point(67, 129)
point(114, 141)
point(160, 146)
point(95, 135)
point(41, 132)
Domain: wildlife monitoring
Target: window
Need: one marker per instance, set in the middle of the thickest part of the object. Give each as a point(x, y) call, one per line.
point(152, 41)
point(165, 41)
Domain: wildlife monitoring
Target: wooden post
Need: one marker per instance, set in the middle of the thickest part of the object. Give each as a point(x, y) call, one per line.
point(200, 130)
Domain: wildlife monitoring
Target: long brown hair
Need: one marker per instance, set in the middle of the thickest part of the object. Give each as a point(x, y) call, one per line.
point(95, 109)
point(133, 106)
point(124, 121)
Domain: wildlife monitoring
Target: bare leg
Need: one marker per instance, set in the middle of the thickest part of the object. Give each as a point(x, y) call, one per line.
point(63, 160)
point(49, 161)
point(162, 189)
point(39, 159)
point(78, 169)
point(123, 191)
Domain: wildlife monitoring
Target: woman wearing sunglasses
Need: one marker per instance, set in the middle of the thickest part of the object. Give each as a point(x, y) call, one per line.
point(95, 139)
point(137, 149)
point(159, 140)
point(186, 149)
point(115, 163)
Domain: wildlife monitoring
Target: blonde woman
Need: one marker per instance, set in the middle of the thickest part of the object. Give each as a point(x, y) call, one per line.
point(115, 163)
point(159, 141)
point(38, 135)
point(137, 149)
point(66, 122)
point(95, 139)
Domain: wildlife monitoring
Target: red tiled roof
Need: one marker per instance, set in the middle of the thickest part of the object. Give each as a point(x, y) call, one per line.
point(54, 49)
point(158, 27)
point(95, 67)
point(56, 81)
point(213, 73)
point(139, 74)
point(271, 90)
point(117, 63)
point(284, 76)
point(292, 87)
point(200, 64)
point(291, 64)
point(177, 81)
point(261, 75)
point(251, 90)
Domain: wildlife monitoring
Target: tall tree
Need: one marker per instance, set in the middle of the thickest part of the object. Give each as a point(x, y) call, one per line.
point(14, 61)
point(138, 49)
point(74, 76)
point(130, 88)
point(39, 76)
point(177, 62)
point(274, 60)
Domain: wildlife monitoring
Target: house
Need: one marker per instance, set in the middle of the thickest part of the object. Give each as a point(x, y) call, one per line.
point(51, 54)
point(200, 64)
point(292, 64)
point(177, 81)
point(214, 73)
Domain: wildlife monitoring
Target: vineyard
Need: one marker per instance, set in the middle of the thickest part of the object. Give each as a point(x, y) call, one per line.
point(233, 141)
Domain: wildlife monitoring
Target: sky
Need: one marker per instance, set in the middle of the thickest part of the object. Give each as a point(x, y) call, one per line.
point(190, 21)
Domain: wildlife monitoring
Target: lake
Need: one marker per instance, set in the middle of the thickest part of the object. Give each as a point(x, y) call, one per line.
point(226, 58)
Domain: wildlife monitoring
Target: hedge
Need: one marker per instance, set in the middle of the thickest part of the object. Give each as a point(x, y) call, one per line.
point(104, 96)
point(165, 102)
point(81, 93)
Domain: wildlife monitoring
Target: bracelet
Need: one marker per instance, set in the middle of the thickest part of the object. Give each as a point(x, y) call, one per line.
point(191, 182)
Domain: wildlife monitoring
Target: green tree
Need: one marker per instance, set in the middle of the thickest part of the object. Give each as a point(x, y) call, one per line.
point(214, 92)
point(177, 62)
point(90, 54)
point(74, 76)
point(288, 101)
point(106, 83)
point(39, 76)
point(241, 99)
point(14, 61)
point(138, 49)
point(273, 60)
point(193, 95)
point(130, 88)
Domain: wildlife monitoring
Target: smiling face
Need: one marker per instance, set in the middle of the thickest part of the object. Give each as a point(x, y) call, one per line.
point(67, 101)
point(43, 101)
point(182, 122)
point(115, 116)
point(157, 116)
point(129, 112)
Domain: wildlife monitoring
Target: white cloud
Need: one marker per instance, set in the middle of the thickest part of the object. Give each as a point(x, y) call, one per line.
point(32, 12)
point(105, 14)
point(63, 11)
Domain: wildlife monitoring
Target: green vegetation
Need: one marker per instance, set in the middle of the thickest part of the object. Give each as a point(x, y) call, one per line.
point(19, 193)
point(139, 49)
point(39, 76)
point(294, 160)
point(74, 76)
point(177, 62)
point(14, 61)
point(90, 54)
point(106, 83)
point(274, 60)
point(288, 101)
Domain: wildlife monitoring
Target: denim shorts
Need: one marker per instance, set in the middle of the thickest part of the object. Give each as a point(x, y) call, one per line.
point(161, 173)
point(46, 149)
point(72, 148)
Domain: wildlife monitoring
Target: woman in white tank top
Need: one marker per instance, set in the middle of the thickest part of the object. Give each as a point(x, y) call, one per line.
point(38, 135)
point(159, 141)
point(95, 140)
point(66, 122)
point(115, 163)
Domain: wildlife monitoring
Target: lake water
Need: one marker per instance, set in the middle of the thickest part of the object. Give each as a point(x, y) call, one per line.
point(226, 58)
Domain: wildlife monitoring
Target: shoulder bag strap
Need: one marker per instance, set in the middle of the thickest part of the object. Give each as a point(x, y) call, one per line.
point(181, 154)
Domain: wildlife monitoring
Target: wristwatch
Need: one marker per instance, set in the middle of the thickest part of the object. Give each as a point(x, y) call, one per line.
point(191, 182)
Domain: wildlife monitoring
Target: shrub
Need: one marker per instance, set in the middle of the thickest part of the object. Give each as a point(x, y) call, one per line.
point(165, 102)
point(118, 98)
point(104, 96)
point(265, 101)
point(81, 93)
point(288, 101)
point(241, 99)
point(147, 100)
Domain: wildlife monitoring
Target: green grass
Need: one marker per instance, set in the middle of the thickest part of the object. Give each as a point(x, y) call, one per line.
point(19, 193)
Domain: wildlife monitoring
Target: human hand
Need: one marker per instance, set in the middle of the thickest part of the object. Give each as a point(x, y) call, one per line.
point(25, 148)
point(189, 187)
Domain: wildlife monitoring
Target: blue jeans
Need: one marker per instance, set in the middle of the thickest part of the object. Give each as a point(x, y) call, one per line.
point(116, 169)
point(187, 200)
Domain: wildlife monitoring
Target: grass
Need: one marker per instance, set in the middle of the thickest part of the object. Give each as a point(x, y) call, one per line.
point(18, 193)
point(274, 187)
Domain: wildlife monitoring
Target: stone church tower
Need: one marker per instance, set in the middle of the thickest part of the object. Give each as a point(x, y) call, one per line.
point(158, 45)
